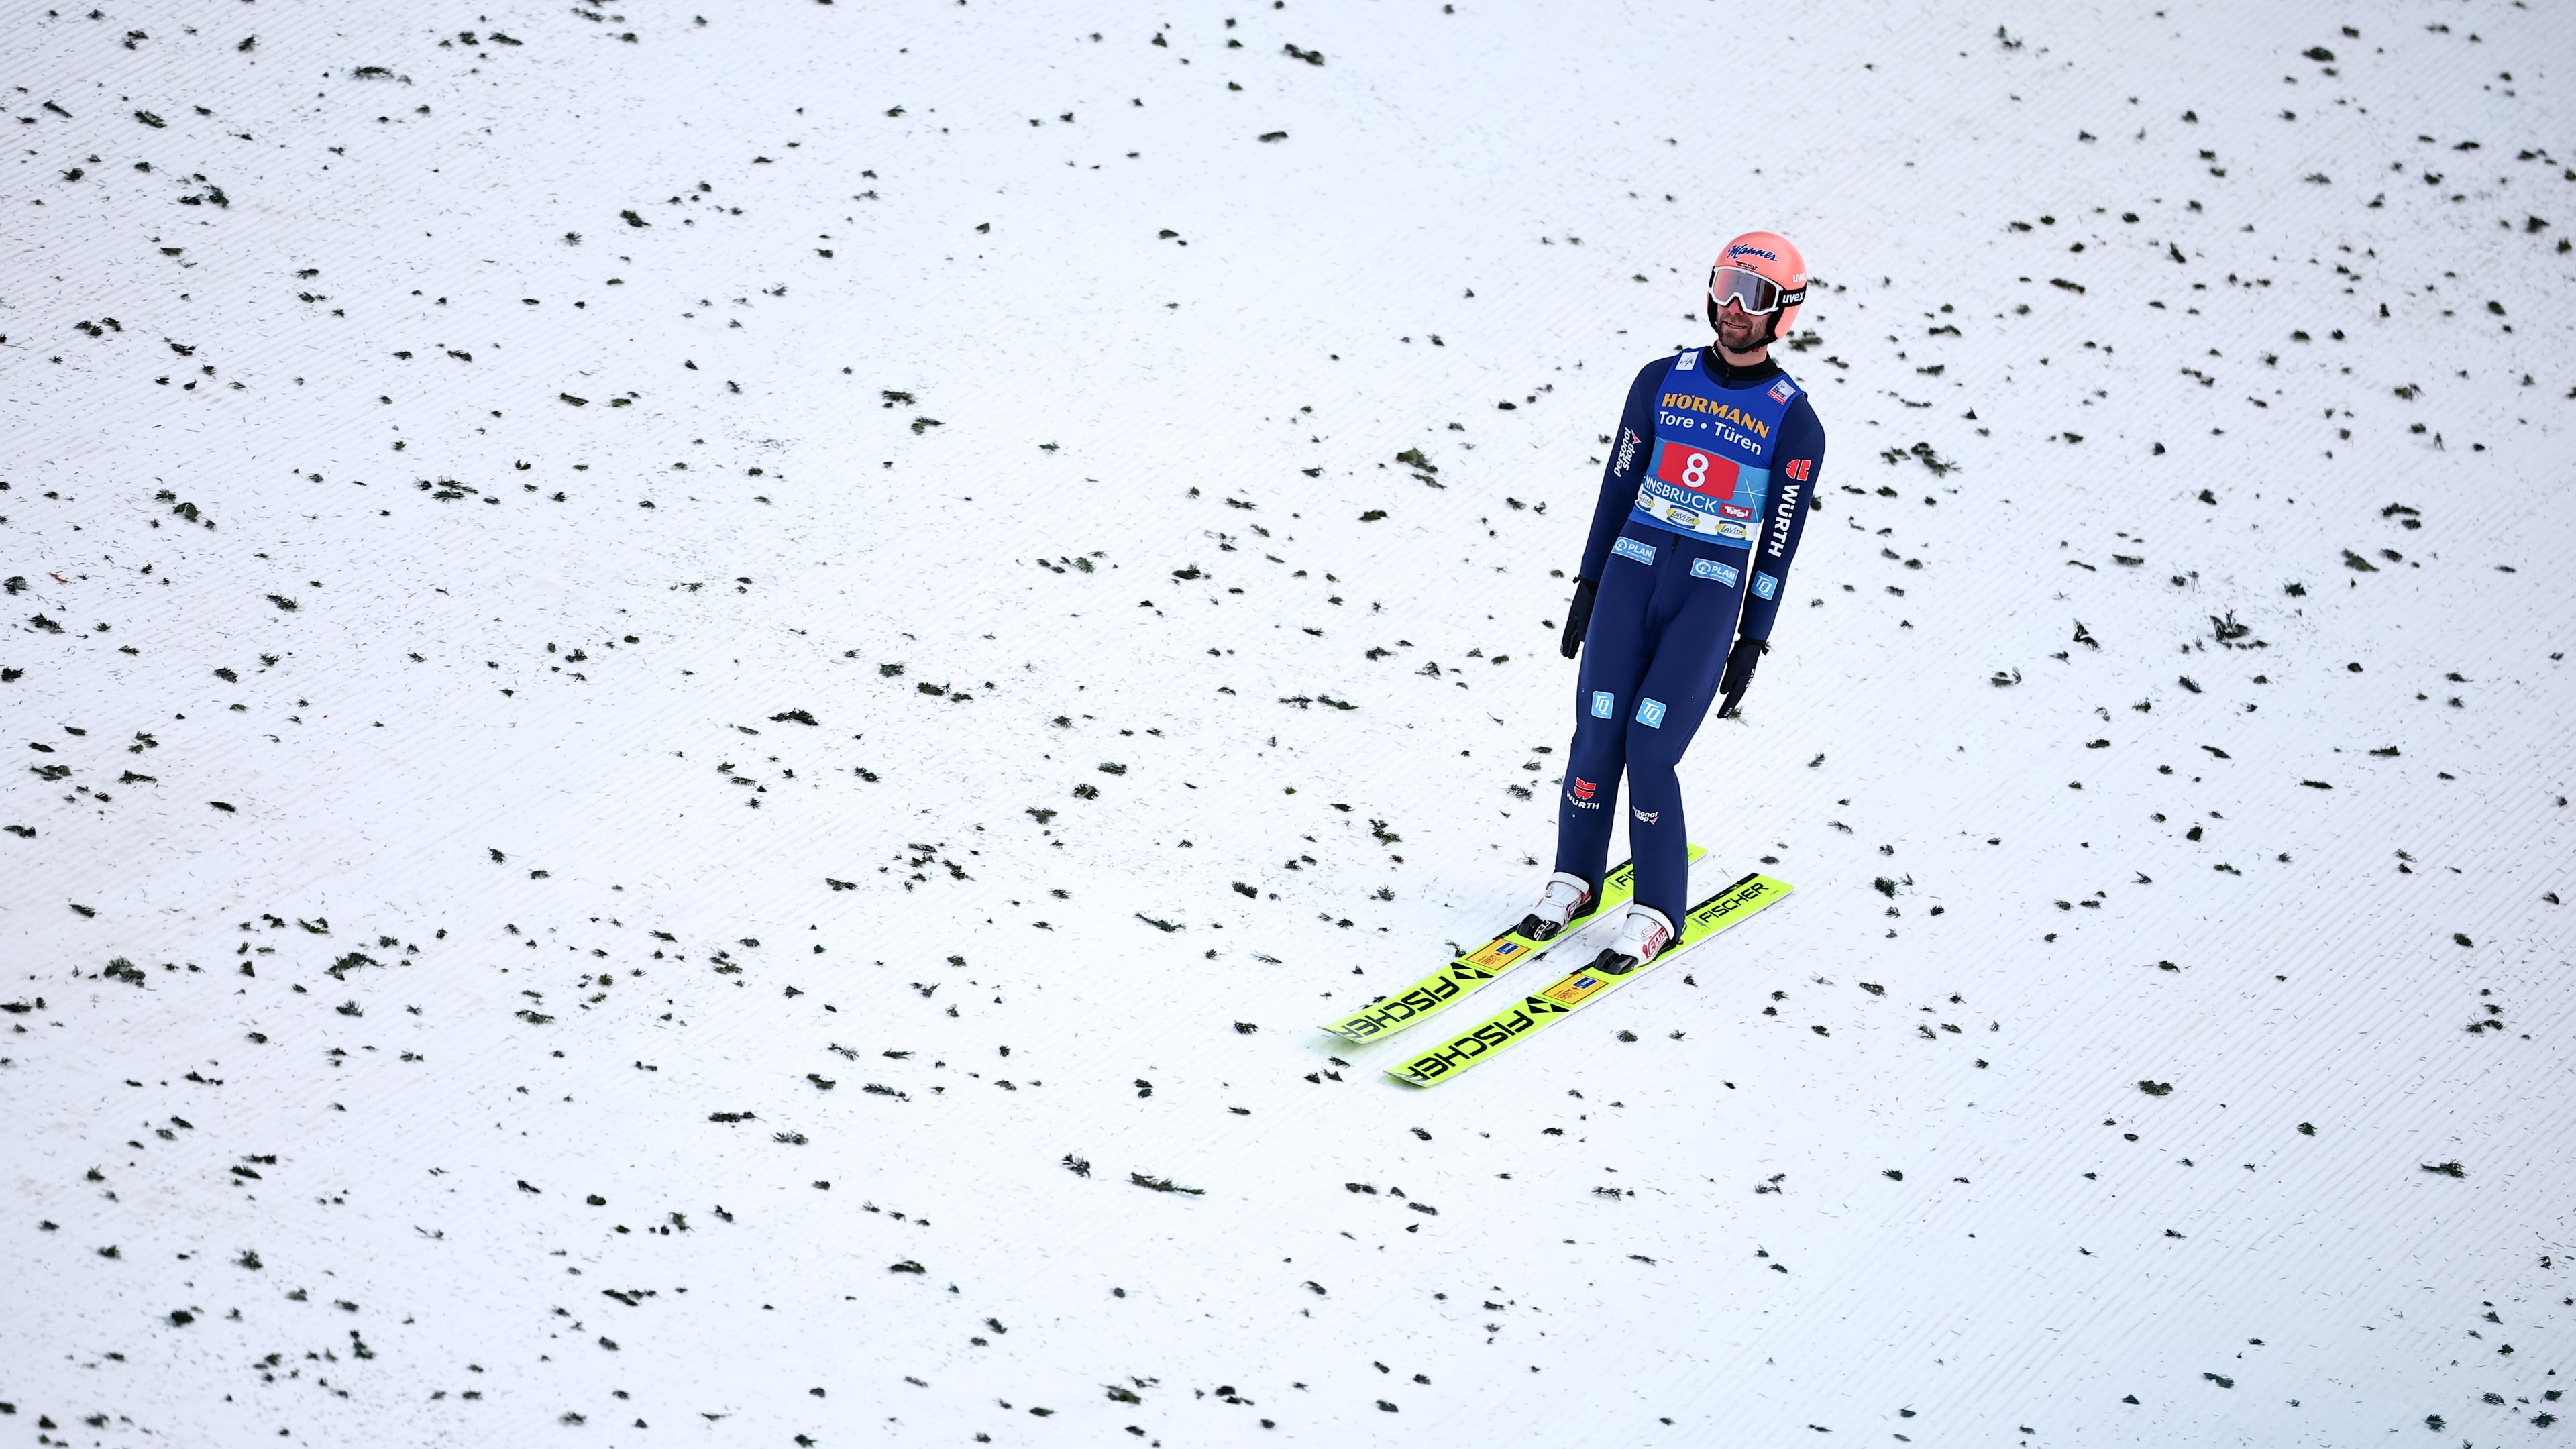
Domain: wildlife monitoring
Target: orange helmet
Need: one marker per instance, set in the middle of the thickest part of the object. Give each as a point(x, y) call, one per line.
point(1762, 273)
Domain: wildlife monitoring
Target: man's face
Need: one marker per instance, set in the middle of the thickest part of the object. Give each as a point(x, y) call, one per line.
point(1737, 328)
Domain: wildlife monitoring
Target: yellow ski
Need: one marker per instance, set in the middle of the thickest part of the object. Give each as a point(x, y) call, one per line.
point(1583, 987)
point(1454, 982)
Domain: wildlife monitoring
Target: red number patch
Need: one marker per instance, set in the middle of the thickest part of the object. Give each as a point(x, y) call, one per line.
point(1699, 471)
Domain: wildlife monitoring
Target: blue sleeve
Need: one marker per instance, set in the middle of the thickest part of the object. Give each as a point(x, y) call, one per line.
point(1629, 448)
point(1797, 465)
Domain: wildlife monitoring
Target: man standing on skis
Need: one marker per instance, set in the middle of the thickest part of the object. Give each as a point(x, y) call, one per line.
point(1702, 505)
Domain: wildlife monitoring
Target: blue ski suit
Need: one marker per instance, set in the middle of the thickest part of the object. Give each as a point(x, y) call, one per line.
point(1703, 501)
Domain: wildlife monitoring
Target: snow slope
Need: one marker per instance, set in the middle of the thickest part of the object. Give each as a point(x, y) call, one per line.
point(682, 687)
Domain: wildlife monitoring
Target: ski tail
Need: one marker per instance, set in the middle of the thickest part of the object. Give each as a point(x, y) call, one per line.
point(1469, 971)
point(1747, 894)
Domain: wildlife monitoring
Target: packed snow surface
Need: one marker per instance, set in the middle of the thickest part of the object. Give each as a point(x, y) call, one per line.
point(706, 703)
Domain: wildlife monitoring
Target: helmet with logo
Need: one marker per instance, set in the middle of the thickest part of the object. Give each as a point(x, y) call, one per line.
point(1763, 274)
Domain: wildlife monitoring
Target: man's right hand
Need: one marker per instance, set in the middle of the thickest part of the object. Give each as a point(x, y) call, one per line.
point(1578, 614)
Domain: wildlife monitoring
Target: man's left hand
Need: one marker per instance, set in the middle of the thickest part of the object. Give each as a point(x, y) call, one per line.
point(1739, 672)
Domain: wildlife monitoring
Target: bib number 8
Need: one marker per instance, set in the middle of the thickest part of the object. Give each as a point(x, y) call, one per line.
point(1696, 470)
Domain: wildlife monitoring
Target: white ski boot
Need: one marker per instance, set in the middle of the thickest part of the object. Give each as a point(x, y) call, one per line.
point(1643, 936)
point(1566, 899)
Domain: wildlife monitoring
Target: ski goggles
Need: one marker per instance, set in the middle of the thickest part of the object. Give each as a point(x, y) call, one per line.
point(1750, 290)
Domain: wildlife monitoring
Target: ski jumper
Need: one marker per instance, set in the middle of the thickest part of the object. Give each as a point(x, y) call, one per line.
point(1702, 505)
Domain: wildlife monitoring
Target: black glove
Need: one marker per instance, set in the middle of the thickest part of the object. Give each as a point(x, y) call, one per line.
point(1578, 614)
point(1739, 672)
